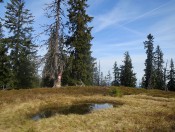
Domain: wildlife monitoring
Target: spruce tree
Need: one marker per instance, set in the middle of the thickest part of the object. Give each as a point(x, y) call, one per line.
point(1, 31)
point(66, 78)
point(148, 76)
point(116, 73)
point(80, 41)
point(96, 75)
point(171, 77)
point(4, 62)
point(18, 21)
point(158, 68)
point(127, 76)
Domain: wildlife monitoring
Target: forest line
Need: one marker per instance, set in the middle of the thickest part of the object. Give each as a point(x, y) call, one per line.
point(69, 59)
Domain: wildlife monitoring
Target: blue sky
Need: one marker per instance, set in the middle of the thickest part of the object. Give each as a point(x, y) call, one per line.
point(120, 26)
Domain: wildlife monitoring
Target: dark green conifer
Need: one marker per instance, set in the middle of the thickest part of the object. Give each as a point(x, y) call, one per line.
point(18, 21)
point(1, 31)
point(4, 62)
point(171, 77)
point(127, 76)
point(80, 41)
point(148, 76)
point(116, 73)
point(158, 69)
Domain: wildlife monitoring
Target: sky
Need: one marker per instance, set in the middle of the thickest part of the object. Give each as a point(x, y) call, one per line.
point(120, 26)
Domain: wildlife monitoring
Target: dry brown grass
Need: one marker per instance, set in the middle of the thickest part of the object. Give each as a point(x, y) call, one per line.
point(142, 110)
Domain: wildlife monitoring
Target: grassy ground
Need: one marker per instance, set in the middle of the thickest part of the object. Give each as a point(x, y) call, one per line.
point(141, 110)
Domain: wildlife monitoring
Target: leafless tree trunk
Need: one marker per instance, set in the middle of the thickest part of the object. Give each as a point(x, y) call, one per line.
point(54, 58)
point(165, 71)
point(58, 67)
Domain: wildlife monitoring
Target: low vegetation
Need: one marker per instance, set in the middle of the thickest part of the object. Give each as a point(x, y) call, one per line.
point(141, 110)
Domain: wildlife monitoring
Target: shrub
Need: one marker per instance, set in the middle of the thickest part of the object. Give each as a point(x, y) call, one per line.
point(116, 92)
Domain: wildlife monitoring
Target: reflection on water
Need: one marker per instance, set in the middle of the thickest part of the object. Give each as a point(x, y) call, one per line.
point(80, 109)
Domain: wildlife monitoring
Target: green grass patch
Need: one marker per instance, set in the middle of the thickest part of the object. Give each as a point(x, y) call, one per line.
point(116, 92)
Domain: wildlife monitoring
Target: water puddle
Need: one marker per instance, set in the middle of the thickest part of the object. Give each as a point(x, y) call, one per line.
point(80, 109)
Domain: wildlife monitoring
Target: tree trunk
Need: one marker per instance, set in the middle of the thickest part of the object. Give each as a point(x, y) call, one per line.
point(57, 83)
point(165, 70)
point(58, 72)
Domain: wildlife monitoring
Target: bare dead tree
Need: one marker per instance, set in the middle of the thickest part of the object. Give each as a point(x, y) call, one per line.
point(165, 73)
point(54, 59)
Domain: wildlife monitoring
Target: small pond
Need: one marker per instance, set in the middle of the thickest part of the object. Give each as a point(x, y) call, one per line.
point(80, 109)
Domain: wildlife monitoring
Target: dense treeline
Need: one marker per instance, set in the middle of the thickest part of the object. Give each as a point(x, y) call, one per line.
point(68, 60)
point(18, 52)
point(156, 75)
point(123, 75)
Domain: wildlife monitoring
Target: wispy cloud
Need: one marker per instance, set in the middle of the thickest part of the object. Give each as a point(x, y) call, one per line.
point(124, 13)
point(118, 14)
point(111, 50)
point(146, 14)
point(158, 20)
point(131, 30)
point(164, 30)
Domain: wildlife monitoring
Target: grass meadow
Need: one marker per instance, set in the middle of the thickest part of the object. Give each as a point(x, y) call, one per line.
point(139, 110)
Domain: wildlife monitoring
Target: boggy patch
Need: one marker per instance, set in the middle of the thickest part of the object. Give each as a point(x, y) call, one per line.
point(81, 109)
